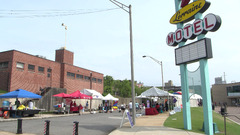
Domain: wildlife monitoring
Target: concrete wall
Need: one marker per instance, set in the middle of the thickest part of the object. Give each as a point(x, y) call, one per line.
point(48, 101)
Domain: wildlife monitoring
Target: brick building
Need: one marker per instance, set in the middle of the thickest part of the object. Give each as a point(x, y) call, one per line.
point(29, 72)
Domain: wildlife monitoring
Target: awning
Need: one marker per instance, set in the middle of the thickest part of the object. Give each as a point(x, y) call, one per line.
point(63, 95)
point(78, 95)
point(20, 93)
point(93, 93)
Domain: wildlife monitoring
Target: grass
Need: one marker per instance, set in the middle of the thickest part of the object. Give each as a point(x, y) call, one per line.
point(176, 121)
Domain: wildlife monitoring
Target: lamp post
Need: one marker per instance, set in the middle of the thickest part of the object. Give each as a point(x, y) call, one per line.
point(65, 34)
point(90, 80)
point(129, 11)
point(90, 88)
point(159, 62)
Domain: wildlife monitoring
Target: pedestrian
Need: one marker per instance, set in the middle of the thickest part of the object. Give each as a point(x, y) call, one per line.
point(17, 103)
point(158, 107)
point(110, 108)
point(80, 109)
point(130, 107)
point(122, 108)
point(106, 108)
point(87, 105)
point(137, 105)
point(30, 104)
point(166, 105)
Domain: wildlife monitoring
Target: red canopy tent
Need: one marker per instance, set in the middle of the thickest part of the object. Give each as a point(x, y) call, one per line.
point(78, 95)
point(63, 95)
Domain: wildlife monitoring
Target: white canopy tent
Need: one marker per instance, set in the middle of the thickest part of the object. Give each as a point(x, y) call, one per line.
point(194, 96)
point(97, 97)
point(155, 92)
point(110, 97)
point(191, 95)
point(194, 99)
point(93, 93)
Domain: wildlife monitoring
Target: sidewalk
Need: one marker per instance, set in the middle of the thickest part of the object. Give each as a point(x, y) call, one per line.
point(150, 125)
point(147, 124)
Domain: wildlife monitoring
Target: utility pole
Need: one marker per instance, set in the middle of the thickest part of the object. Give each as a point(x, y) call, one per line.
point(129, 11)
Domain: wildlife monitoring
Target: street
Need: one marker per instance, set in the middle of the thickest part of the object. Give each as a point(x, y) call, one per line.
point(89, 124)
point(233, 113)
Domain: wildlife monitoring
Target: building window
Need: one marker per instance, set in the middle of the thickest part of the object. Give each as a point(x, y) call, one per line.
point(3, 65)
point(41, 69)
point(49, 70)
point(236, 89)
point(87, 78)
point(20, 65)
point(99, 80)
point(31, 67)
point(79, 76)
point(48, 75)
point(233, 90)
point(70, 75)
point(94, 79)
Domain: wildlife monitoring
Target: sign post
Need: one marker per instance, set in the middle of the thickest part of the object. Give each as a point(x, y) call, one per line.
point(206, 93)
point(197, 51)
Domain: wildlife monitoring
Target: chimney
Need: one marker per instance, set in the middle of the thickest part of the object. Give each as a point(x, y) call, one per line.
point(64, 56)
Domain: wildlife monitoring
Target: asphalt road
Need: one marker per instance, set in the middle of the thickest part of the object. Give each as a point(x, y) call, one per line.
point(89, 124)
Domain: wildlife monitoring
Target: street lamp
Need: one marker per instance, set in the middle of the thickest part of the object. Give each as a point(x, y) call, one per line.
point(159, 62)
point(65, 34)
point(129, 11)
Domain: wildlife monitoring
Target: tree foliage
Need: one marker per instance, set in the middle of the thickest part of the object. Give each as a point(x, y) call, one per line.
point(108, 84)
point(121, 88)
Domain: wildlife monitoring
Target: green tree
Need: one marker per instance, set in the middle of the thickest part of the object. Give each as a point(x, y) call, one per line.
point(125, 89)
point(120, 88)
point(108, 84)
point(116, 87)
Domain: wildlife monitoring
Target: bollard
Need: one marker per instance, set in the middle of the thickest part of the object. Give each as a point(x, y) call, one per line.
point(75, 128)
point(46, 127)
point(19, 126)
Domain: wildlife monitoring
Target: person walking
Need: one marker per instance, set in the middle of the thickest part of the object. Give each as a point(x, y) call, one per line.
point(130, 107)
point(86, 105)
point(80, 109)
point(17, 103)
point(122, 108)
point(30, 104)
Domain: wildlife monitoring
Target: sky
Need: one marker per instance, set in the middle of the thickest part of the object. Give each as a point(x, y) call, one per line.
point(98, 34)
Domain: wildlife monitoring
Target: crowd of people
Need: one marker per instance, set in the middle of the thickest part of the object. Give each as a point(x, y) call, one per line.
point(107, 107)
point(160, 107)
point(129, 106)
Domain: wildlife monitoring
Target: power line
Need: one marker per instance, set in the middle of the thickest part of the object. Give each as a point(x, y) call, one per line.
point(48, 13)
